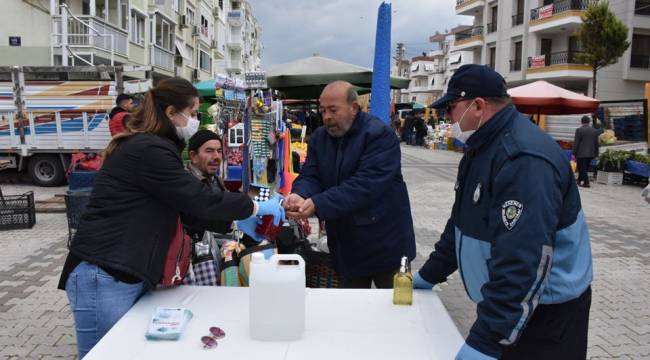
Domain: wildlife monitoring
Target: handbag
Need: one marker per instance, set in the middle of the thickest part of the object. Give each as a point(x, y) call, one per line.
point(177, 261)
point(204, 270)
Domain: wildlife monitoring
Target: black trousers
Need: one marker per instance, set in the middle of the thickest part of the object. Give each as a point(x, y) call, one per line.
point(583, 168)
point(382, 281)
point(556, 332)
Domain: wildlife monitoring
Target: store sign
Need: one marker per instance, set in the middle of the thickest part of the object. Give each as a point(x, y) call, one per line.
point(14, 41)
point(538, 61)
point(546, 11)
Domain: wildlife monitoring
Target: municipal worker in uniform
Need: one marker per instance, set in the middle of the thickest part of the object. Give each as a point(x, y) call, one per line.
point(517, 232)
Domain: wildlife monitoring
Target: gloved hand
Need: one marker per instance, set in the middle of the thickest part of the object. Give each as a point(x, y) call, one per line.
point(469, 353)
point(277, 196)
point(646, 194)
point(420, 283)
point(272, 207)
point(247, 226)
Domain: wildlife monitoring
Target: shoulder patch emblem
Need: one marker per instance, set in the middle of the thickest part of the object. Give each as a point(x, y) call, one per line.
point(510, 212)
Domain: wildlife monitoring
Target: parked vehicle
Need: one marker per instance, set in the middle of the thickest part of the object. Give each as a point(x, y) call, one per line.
point(47, 113)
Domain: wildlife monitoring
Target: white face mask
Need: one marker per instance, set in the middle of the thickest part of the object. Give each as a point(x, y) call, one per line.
point(456, 130)
point(190, 129)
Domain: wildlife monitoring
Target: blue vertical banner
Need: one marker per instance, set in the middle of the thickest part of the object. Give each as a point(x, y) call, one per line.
point(380, 92)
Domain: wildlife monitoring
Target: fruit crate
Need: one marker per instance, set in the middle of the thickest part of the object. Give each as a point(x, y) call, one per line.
point(609, 178)
point(17, 211)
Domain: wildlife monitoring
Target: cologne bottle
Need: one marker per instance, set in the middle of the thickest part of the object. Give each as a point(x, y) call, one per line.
point(403, 285)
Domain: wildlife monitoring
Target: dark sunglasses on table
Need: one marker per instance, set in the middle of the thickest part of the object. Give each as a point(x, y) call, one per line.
point(210, 342)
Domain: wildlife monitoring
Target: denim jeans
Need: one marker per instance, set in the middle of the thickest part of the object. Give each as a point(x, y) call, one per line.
point(97, 301)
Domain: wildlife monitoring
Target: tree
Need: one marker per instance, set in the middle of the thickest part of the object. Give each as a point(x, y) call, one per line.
point(603, 38)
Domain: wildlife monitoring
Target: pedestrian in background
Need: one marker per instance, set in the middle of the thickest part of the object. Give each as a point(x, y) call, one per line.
point(585, 149)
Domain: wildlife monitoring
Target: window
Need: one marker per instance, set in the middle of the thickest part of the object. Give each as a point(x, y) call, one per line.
point(428, 67)
point(177, 5)
point(205, 26)
point(164, 34)
point(415, 67)
point(190, 53)
point(190, 16)
point(433, 81)
point(137, 27)
point(515, 64)
point(640, 51)
point(204, 61)
point(642, 7)
point(221, 4)
point(124, 18)
point(493, 57)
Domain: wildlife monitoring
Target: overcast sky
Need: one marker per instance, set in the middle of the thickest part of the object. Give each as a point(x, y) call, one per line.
point(345, 29)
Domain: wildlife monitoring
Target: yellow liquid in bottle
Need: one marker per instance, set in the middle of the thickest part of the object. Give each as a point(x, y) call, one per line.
point(403, 288)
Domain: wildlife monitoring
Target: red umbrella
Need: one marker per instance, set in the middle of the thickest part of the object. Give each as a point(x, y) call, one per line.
point(541, 97)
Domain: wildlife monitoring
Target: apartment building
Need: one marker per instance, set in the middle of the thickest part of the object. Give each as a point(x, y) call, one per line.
point(194, 39)
point(529, 40)
point(430, 72)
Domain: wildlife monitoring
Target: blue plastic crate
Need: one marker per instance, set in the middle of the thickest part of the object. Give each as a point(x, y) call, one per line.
point(234, 173)
point(80, 179)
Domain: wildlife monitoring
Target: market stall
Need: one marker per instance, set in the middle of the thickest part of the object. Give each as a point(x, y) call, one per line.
point(340, 324)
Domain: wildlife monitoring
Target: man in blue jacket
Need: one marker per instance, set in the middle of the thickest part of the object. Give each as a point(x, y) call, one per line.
point(352, 179)
point(517, 232)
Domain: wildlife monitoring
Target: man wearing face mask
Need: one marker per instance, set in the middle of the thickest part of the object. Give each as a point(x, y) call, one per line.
point(352, 179)
point(517, 232)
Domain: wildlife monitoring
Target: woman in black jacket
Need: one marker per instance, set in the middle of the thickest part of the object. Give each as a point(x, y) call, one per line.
point(119, 250)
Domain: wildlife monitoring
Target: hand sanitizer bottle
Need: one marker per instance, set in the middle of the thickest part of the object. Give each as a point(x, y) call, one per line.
point(403, 285)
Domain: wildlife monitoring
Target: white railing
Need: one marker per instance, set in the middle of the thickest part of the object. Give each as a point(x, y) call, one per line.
point(88, 31)
point(162, 58)
point(235, 39)
point(234, 64)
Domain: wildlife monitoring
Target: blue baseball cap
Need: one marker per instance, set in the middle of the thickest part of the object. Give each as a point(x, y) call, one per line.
point(472, 81)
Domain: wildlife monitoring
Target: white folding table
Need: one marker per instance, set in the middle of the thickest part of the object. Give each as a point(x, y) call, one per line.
point(340, 324)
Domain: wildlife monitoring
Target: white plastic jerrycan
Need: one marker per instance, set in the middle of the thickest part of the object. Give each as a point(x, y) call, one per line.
point(277, 297)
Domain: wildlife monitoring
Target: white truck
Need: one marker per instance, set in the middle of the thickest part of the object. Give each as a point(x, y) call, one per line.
point(47, 113)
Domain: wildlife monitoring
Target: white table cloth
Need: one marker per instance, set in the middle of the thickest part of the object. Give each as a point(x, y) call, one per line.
point(340, 324)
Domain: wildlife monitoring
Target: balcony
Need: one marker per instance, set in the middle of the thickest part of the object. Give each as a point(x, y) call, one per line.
point(469, 39)
point(234, 66)
point(491, 27)
point(89, 32)
point(235, 18)
point(235, 40)
point(517, 19)
point(162, 58)
point(515, 65)
point(558, 65)
point(558, 17)
point(469, 7)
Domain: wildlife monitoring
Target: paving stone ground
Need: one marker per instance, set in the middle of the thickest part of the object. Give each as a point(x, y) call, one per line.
point(35, 322)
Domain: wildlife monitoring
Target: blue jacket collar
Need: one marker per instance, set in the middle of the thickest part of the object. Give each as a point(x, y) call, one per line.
point(486, 133)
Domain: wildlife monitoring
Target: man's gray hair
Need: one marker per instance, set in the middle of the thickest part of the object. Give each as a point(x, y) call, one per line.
point(351, 95)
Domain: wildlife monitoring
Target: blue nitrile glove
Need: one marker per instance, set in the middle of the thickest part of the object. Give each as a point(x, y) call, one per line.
point(272, 207)
point(420, 283)
point(469, 353)
point(247, 226)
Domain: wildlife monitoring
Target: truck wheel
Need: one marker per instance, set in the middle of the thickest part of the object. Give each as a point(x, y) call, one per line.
point(46, 170)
